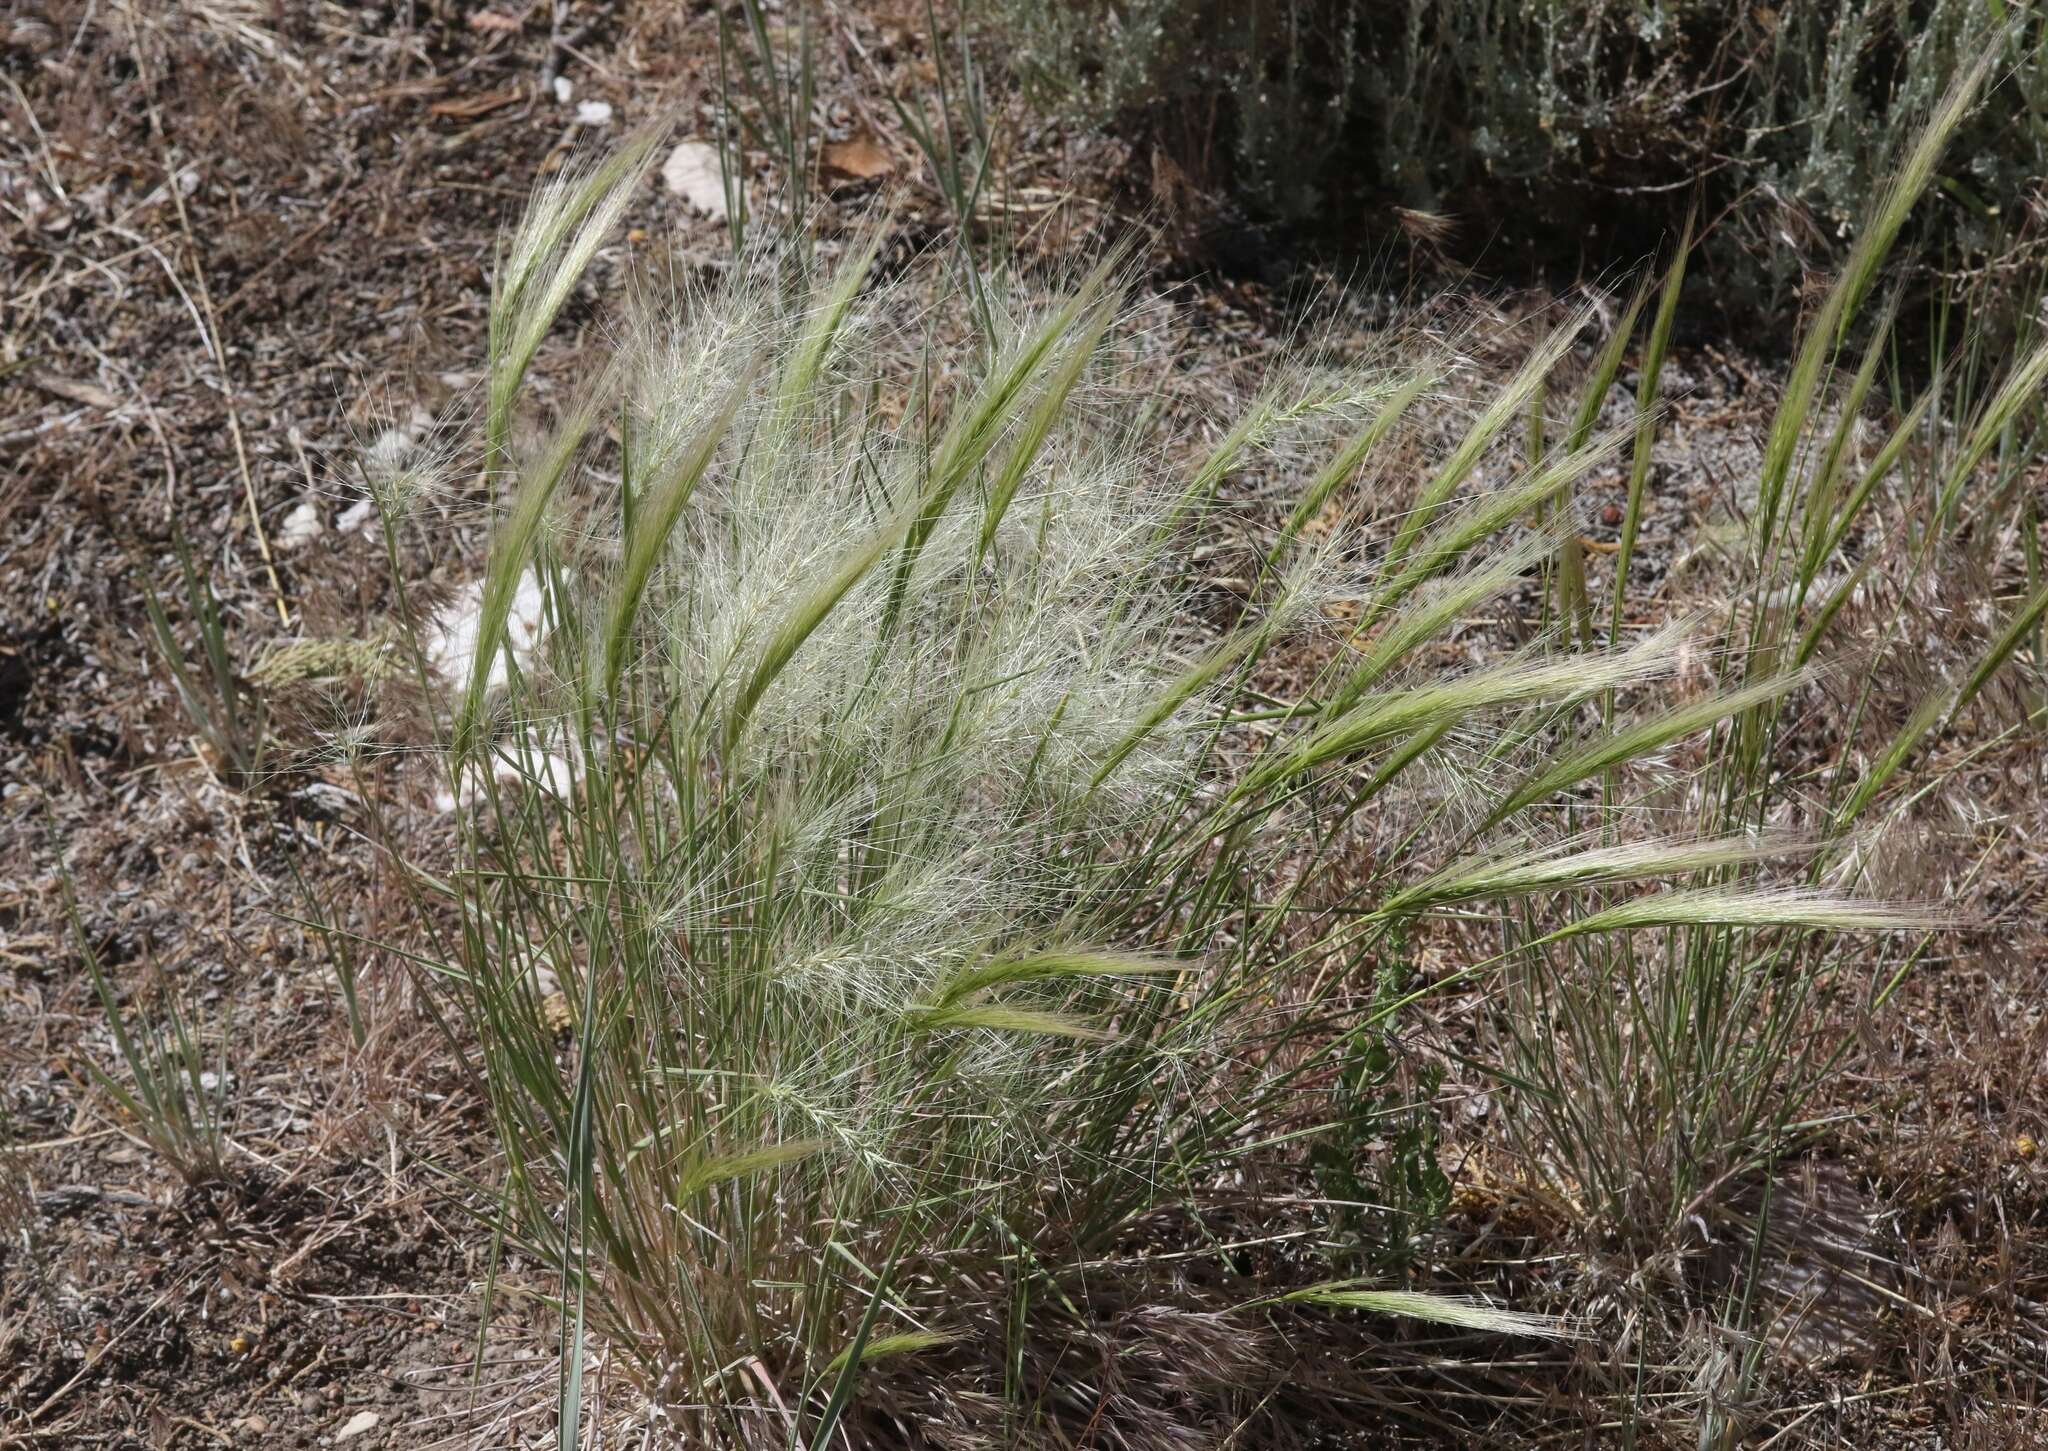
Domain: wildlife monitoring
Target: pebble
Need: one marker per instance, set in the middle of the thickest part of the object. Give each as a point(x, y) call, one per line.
point(301, 527)
point(360, 1422)
point(692, 172)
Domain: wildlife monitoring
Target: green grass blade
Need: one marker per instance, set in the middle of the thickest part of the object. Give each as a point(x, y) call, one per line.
point(511, 553)
point(1647, 387)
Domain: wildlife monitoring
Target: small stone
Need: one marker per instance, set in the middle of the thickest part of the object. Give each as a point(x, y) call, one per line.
point(249, 1427)
point(565, 90)
point(360, 1422)
point(361, 516)
point(593, 113)
point(301, 527)
point(693, 173)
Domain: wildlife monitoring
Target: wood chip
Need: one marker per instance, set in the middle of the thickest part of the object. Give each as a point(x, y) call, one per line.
point(465, 108)
point(92, 395)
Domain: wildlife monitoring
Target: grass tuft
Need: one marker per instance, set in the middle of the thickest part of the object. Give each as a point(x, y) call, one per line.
point(943, 904)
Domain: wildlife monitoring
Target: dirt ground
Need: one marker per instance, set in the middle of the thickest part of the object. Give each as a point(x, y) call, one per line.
point(244, 241)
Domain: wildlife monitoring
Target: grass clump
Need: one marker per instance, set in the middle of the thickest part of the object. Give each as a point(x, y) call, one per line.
point(226, 712)
point(173, 1098)
point(1660, 1078)
point(884, 890)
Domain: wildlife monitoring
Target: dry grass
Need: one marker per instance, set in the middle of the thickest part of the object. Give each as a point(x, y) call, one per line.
point(347, 184)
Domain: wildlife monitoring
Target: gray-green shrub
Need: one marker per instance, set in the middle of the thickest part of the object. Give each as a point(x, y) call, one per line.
point(1577, 129)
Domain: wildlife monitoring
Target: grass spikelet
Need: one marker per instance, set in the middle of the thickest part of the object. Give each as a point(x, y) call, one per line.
point(1348, 459)
point(823, 328)
point(890, 1347)
point(1557, 869)
point(1002, 1018)
point(803, 621)
point(707, 1172)
point(1488, 515)
point(1233, 651)
point(1606, 368)
point(2022, 385)
point(1895, 754)
point(1610, 749)
point(565, 225)
point(1378, 718)
point(2001, 649)
point(1652, 374)
point(1753, 909)
point(655, 520)
point(1574, 600)
point(1048, 966)
point(1454, 1310)
point(1819, 509)
point(973, 431)
point(1879, 470)
point(1505, 407)
point(1447, 602)
point(1844, 299)
point(1052, 399)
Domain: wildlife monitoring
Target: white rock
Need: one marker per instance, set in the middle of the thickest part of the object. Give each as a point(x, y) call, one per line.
point(692, 172)
point(565, 90)
point(360, 1422)
point(452, 636)
point(361, 516)
point(527, 762)
point(301, 527)
point(593, 113)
